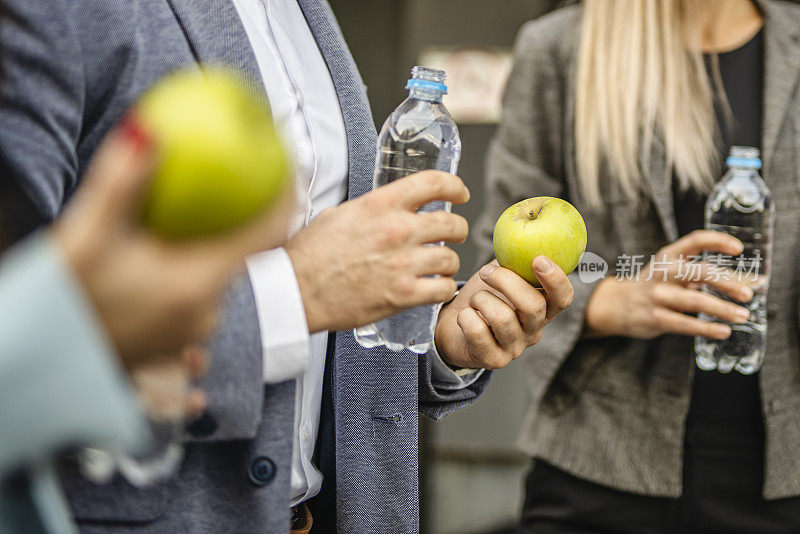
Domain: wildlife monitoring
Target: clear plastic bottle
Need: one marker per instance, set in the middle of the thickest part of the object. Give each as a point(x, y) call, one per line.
point(740, 205)
point(159, 461)
point(419, 135)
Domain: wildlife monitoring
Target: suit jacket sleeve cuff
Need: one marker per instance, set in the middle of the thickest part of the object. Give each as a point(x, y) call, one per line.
point(285, 340)
point(443, 391)
point(445, 377)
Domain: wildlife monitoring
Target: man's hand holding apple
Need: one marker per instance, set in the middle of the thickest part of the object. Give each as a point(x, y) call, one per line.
point(498, 314)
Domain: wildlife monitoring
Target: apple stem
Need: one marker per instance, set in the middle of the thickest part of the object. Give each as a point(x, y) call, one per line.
point(535, 213)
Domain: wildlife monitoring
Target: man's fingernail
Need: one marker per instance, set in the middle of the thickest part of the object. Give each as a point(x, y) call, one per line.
point(488, 269)
point(134, 133)
point(747, 294)
point(543, 265)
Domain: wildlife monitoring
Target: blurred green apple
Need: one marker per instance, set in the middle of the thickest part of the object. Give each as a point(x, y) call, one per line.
point(539, 226)
point(220, 163)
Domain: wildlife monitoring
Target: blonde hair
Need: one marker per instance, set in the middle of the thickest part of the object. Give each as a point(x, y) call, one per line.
point(638, 77)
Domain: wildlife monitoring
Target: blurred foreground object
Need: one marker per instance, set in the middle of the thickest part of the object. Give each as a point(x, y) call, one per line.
point(60, 385)
point(221, 162)
point(63, 376)
point(217, 164)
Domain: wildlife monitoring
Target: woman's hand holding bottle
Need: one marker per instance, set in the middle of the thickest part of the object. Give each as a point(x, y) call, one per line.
point(661, 299)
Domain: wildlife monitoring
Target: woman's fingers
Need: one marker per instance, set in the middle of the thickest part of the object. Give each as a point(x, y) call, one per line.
point(678, 323)
point(694, 243)
point(694, 274)
point(730, 286)
point(119, 174)
point(196, 403)
point(197, 360)
point(692, 301)
point(163, 386)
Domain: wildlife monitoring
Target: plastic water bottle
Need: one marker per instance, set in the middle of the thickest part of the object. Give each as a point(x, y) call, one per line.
point(740, 205)
point(419, 135)
point(158, 461)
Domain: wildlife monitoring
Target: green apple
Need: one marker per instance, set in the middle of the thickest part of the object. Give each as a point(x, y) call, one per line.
point(220, 160)
point(539, 226)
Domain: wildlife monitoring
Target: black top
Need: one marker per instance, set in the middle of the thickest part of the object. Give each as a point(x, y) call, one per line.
point(715, 394)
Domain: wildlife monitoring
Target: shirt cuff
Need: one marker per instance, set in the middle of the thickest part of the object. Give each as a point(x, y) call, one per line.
point(285, 340)
point(444, 377)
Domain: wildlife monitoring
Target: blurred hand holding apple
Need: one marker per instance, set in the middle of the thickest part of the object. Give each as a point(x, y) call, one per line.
point(220, 160)
point(156, 295)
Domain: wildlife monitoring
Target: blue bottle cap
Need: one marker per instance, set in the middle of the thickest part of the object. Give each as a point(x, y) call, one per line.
point(749, 163)
point(426, 84)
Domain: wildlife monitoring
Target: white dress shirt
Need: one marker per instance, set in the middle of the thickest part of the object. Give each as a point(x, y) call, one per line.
point(306, 107)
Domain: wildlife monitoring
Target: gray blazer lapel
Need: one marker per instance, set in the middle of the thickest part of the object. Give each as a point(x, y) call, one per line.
point(781, 69)
point(216, 36)
point(361, 136)
point(658, 185)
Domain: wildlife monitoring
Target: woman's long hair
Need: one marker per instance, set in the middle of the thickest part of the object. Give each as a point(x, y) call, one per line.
point(636, 78)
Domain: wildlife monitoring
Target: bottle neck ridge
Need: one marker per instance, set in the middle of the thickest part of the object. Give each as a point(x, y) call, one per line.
point(425, 94)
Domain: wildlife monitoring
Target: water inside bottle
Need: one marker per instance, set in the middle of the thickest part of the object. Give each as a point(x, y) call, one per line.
point(744, 349)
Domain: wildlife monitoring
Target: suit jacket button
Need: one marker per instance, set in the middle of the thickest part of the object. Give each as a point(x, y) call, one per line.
point(203, 426)
point(262, 471)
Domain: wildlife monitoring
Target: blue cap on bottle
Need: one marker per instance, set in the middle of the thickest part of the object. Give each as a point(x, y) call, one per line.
point(749, 163)
point(426, 84)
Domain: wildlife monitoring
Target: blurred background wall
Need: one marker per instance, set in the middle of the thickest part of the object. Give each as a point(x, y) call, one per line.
point(471, 475)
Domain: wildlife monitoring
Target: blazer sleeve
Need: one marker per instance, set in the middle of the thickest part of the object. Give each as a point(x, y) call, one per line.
point(42, 90)
point(527, 158)
point(438, 401)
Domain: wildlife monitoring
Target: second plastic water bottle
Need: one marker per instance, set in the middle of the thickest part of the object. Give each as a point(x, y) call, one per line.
point(419, 135)
point(740, 205)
